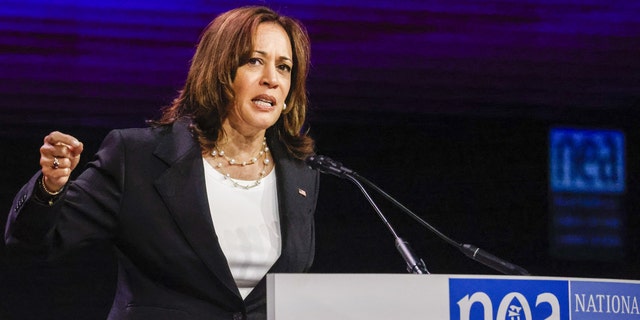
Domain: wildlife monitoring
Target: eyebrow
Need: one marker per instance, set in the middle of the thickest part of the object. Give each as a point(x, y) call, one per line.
point(283, 58)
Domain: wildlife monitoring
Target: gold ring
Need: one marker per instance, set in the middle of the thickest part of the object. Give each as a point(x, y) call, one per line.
point(56, 163)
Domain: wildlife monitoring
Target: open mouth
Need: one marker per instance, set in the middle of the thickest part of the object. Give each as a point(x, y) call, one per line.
point(264, 101)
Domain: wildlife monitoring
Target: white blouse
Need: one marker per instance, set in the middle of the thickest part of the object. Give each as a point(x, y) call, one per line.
point(247, 224)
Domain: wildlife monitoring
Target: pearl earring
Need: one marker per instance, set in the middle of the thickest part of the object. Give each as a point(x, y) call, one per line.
point(285, 106)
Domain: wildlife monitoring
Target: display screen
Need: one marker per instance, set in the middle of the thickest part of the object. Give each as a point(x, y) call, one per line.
point(587, 184)
point(587, 161)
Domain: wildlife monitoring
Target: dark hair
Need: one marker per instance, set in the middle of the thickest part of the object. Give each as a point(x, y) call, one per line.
point(224, 45)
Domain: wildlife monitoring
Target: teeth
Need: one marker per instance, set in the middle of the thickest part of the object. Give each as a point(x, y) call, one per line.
point(263, 102)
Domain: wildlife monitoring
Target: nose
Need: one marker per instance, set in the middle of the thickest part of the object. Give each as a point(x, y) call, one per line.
point(270, 77)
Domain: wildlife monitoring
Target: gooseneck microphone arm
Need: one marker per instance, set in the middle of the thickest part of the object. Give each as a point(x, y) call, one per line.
point(469, 250)
point(406, 210)
point(329, 166)
point(414, 265)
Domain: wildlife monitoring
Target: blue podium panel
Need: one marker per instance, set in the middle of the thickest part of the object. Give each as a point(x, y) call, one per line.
point(456, 297)
point(543, 298)
point(508, 299)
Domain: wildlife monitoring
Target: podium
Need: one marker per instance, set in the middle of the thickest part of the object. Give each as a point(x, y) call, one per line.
point(459, 297)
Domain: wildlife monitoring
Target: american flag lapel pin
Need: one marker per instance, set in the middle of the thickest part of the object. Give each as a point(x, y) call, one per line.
point(302, 192)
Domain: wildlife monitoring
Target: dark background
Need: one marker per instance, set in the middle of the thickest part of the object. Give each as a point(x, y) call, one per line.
point(446, 105)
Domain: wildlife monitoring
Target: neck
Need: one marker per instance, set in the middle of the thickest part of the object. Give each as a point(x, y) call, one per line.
point(238, 144)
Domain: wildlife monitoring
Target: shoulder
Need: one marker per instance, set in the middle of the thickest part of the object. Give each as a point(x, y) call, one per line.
point(149, 136)
point(167, 142)
point(289, 166)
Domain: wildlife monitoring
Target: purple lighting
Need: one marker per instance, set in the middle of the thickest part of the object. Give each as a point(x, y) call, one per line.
point(409, 56)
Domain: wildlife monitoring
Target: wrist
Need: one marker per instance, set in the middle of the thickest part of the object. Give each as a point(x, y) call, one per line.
point(44, 188)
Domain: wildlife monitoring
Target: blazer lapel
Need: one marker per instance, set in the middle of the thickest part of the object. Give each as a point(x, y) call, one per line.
point(183, 190)
point(297, 196)
point(295, 180)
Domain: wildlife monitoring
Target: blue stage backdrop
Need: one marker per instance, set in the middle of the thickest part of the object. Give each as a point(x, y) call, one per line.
point(95, 59)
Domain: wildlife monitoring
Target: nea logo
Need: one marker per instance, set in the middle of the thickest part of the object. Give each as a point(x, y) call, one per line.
point(489, 299)
point(587, 160)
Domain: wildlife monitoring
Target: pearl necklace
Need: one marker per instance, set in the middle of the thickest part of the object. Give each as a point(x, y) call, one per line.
point(264, 150)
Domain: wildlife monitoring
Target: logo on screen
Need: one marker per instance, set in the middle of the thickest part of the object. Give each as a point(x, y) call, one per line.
point(490, 299)
point(587, 161)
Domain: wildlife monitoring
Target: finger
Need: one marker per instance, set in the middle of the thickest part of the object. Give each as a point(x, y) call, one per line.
point(50, 160)
point(67, 158)
point(57, 138)
point(77, 149)
point(58, 170)
point(57, 174)
point(61, 150)
point(55, 178)
point(53, 163)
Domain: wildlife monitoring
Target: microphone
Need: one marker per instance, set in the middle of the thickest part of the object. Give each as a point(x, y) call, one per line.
point(326, 165)
point(329, 166)
point(492, 261)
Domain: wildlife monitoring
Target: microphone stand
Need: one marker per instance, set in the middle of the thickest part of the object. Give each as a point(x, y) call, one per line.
point(469, 250)
point(329, 166)
point(414, 265)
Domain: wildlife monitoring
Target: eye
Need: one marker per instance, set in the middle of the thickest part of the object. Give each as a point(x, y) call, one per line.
point(285, 67)
point(254, 61)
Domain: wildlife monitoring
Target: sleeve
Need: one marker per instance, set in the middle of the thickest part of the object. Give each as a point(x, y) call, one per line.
point(85, 212)
point(28, 231)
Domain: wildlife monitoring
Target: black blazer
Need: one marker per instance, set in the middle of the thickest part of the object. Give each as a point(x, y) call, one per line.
point(145, 193)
